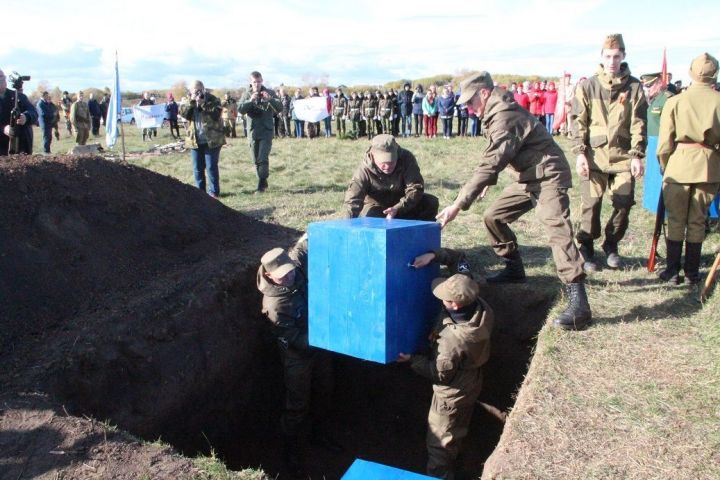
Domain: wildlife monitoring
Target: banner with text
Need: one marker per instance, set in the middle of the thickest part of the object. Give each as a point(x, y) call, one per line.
point(311, 109)
point(149, 116)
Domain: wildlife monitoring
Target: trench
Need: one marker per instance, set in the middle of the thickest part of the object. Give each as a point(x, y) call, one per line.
point(379, 412)
point(232, 397)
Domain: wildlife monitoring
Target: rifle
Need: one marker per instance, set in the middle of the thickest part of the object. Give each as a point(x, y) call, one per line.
point(710, 278)
point(659, 221)
point(16, 81)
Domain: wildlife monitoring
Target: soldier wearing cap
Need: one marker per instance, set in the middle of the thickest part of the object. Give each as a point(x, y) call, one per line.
point(282, 279)
point(689, 155)
point(388, 183)
point(370, 113)
point(516, 140)
point(608, 134)
point(340, 111)
point(80, 118)
point(460, 346)
point(656, 93)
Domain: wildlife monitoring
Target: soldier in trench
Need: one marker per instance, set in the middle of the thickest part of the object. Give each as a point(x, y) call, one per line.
point(459, 346)
point(308, 374)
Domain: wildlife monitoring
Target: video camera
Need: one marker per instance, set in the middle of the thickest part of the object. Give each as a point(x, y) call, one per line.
point(16, 80)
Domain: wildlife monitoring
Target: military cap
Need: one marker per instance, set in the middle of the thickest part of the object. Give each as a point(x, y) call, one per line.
point(614, 40)
point(384, 148)
point(650, 78)
point(459, 288)
point(277, 262)
point(469, 86)
point(704, 69)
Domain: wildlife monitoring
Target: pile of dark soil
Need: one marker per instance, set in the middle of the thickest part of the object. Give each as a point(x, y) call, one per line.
point(124, 295)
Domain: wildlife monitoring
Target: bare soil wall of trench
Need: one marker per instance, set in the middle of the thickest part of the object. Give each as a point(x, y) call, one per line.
point(129, 297)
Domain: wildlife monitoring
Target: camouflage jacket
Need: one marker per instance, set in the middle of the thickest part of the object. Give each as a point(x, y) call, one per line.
point(287, 307)
point(609, 121)
point(355, 108)
point(230, 109)
point(402, 189)
point(80, 114)
point(693, 119)
point(211, 112)
point(262, 124)
point(340, 106)
point(457, 353)
point(516, 140)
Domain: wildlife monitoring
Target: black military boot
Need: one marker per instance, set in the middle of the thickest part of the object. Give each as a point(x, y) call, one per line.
point(692, 263)
point(671, 274)
point(514, 272)
point(577, 315)
point(612, 259)
point(588, 254)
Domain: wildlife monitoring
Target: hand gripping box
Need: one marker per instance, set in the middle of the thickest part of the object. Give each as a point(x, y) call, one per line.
point(364, 298)
point(364, 470)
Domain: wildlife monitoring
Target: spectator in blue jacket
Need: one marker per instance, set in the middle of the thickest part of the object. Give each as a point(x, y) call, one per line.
point(171, 113)
point(47, 118)
point(446, 109)
point(95, 114)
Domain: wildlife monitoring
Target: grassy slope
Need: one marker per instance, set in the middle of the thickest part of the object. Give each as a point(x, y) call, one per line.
point(635, 396)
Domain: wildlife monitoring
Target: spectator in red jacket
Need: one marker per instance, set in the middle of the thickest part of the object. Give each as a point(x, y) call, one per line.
point(537, 98)
point(551, 97)
point(521, 97)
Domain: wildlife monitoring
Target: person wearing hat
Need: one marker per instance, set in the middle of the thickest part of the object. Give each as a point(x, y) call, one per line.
point(370, 114)
point(308, 375)
point(609, 138)
point(517, 140)
point(656, 93)
point(355, 111)
point(689, 155)
point(340, 109)
point(80, 118)
point(388, 183)
point(459, 347)
point(66, 103)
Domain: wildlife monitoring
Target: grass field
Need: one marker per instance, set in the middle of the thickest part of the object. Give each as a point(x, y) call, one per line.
point(635, 396)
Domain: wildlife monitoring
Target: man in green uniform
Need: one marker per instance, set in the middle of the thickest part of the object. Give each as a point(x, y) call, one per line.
point(370, 114)
point(340, 110)
point(689, 155)
point(66, 103)
point(656, 93)
point(308, 376)
point(388, 183)
point(460, 346)
point(355, 114)
point(229, 115)
point(609, 138)
point(80, 119)
point(516, 140)
point(260, 104)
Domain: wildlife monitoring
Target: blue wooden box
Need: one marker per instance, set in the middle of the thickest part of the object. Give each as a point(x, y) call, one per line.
point(364, 298)
point(364, 470)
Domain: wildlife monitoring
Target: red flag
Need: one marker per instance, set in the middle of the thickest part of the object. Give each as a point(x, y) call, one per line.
point(664, 75)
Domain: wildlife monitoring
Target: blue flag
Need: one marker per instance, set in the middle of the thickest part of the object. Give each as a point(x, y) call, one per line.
point(111, 121)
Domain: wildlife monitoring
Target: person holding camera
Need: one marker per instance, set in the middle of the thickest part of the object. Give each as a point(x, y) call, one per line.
point(21, 127)
point(205, 136)
point(260, 104)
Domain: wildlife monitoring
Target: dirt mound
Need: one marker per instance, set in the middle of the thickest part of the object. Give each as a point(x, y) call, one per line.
point(125, 295)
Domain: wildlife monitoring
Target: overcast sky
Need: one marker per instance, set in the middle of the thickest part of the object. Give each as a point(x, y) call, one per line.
point(72, 44)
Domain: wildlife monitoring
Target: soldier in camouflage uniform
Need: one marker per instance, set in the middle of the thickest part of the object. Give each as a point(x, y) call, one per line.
point(386, 110)
point(340, 110)
point(460, 346)
point(388, 183)
point(370, 113)
point(308, 374)
point(609, 137)
point(355, 114)
point(65, 103)
point(689, 155)
point(80, 119)
point(229, 115)
point(205, 136)
point(286, 102)
point(260, 104)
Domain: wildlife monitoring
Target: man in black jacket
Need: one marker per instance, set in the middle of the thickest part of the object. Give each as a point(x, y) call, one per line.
point(23, 126)
point(404, 101)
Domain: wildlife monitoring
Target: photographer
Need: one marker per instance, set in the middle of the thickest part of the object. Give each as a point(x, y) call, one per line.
point(260, 104)
point(205, 136)
point(21, 128)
